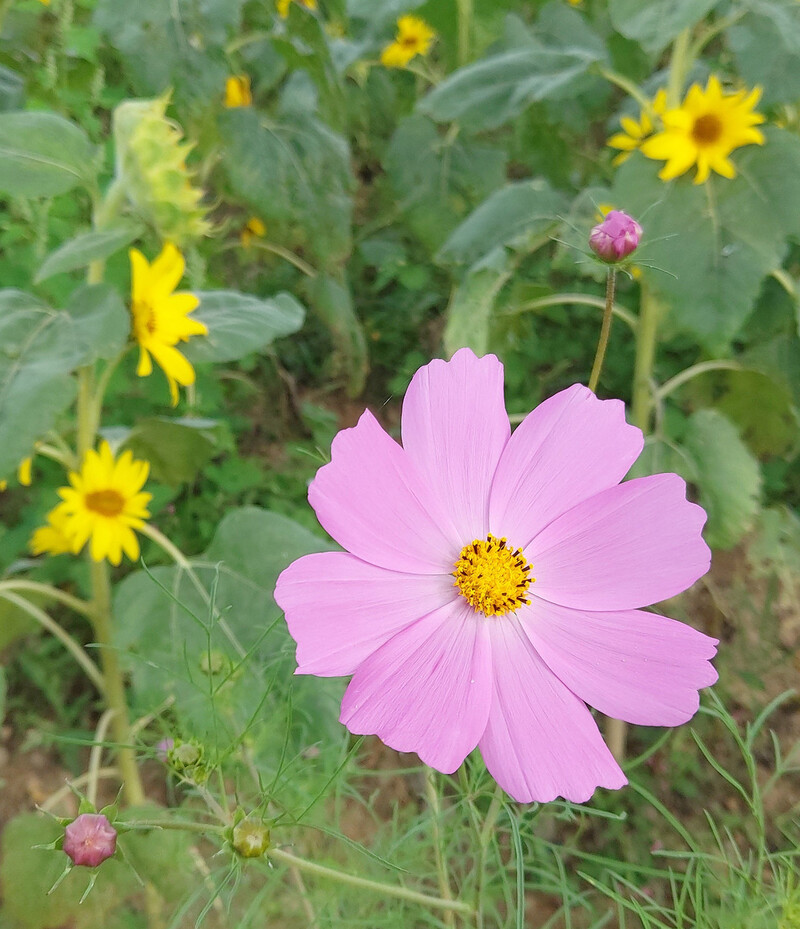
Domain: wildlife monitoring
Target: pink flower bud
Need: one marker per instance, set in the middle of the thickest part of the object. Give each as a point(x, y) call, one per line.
point(163, 748)
point(616, 237)
point(90, 839)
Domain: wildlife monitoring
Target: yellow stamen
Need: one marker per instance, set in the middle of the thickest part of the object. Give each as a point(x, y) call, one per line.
point(491, 577)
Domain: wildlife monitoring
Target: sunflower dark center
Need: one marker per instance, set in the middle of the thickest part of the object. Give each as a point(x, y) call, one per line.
point(105, 502)
point(707, 129)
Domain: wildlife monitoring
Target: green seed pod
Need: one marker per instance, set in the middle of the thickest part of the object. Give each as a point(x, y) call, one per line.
point(151, 169)
point(250, 840)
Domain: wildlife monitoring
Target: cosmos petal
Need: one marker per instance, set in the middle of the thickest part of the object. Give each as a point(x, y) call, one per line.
point(455, 427)
point(373, 501)
point(541, 741)
point(364, 606)
point(624, 548)
point(569, 448)
point(428, 689)
point(632, 665)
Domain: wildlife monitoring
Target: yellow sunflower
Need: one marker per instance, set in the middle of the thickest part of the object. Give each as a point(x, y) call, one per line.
point(414, 37)
point(52, 538)
point(283, 6)
point(161, 316)
point(103, 505)
point(704, 131)
point(634, 133)
point(237, 91)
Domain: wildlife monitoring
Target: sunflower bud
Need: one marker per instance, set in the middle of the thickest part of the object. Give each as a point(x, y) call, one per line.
point(250, 840)
point(90, 839)
point(616, 237)
point(151, 169)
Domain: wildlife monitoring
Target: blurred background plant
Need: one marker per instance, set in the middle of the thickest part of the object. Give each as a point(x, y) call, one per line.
point(358, 186)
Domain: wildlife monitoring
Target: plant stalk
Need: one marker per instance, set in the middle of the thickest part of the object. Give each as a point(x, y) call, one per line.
point(605, 330)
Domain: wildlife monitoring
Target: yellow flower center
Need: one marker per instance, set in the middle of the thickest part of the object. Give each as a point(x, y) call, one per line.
point(707, 129)
point(105, 502)
point(492, 578)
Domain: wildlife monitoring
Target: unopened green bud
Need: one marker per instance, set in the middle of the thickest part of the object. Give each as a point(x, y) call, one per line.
point(185, 754)
point(151, 168)
point(212, 663)
point(250, 840)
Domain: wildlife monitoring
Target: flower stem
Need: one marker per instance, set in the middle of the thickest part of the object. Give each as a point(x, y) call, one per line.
point(47, 590)
point(441, 862)
point(65, 638)
point(563, 299)
point(114, 686)
point(605, 330)
point(627, 85)
point(465, 11)
point(679, 65)
point(686, 375)
point(388, 890)
point(641, 406)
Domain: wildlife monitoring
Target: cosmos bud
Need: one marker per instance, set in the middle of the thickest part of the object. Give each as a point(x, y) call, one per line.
point(616, 238)
point(90, 839)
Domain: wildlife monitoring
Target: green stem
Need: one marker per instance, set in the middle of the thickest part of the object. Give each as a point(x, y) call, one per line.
point(465, 12)
point(184, 825)
point(388, 890)
point(114, 686)
point(627, 85)
point(54, 593)
point(580, 300)
point(605, 330)
point(701, 368)
point(680, 63)
point(287, 255)
point(65, 638)
point(646, 340)
point(441, 862)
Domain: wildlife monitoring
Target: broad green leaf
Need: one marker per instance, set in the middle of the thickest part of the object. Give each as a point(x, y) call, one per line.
point(177, 44)
point(655, 23)
point(513, 216)
point(761, 408)
point(659, 456)
point(239, 324)
point(385, 11)
point(728, 476)
point(12, 89)
point(711, 245)
point(176, 448)
point(43, 155)
point(88, 247)
point(766, 45)
point(101, 320)
point(167, 649)
point(295, 174)
point(38, 351)
point(332, 302)
point(437, 180)
point(469, 312)
point(493, 91)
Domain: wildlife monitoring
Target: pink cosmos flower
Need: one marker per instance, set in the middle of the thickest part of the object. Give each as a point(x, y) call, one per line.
point(90, 839)
point(492, 583)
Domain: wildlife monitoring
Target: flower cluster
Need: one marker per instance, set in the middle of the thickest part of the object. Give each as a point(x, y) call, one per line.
point(491, 583)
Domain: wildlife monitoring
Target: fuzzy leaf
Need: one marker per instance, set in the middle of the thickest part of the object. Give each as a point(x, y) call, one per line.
point(86, 248)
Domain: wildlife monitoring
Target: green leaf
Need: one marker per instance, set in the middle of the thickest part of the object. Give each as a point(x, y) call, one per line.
point(766, 46)
point(493, 91)
point(38, 351)
point(513, 216)
point(239, 324)
point(711, 245)
point(88, 247)
point(102, 323)
point(295, 175)
point(655, 23)
point(167, 650)
point(332, 302)
point(43, 155)
point(176, 448)
point(469, 312)
point(659, 456)
point(728, 476)
point(12, 89)
point(436, 180)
